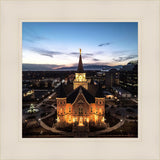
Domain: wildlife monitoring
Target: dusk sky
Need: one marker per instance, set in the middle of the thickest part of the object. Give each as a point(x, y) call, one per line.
point(58, 43)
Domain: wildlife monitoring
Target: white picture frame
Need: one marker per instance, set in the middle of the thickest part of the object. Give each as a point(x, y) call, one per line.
point(13, 13)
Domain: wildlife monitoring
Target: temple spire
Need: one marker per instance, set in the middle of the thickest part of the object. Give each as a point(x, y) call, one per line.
point(80, 64)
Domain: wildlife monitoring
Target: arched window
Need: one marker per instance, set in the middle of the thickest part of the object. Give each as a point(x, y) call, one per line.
point(80, 110)
point(69, 109)
point(100, 111)
point(76, 111)
point(96, 109)
point(64, 110)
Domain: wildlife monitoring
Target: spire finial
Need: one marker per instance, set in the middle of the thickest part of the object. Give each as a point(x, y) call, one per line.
point(80, 50)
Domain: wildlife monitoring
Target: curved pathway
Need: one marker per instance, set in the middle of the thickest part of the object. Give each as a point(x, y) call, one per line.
point(54, 130)
point(109, 129)
point(52, 113)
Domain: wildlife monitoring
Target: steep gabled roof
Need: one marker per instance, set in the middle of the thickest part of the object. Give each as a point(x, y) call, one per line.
point(72, 96)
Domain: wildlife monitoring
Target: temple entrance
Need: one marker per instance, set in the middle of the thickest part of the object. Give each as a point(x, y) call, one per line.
point(80, 121)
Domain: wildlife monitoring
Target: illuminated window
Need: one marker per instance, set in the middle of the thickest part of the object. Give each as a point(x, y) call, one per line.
point(64, 110)
point(69, 118)
point(96, 109)
point(69, 109)
point(80, 110)
point(96, 117)
point(80, 78)
point(100, 111)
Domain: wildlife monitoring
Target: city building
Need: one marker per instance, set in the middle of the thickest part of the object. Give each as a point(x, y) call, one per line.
point(129, 79)
point(112, 78)
point(80, 106)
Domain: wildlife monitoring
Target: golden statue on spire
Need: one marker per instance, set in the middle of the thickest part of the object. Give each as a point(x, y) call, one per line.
point(80, 50)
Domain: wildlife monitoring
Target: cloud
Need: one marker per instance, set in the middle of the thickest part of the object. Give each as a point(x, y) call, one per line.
point(74, 53)
point(104, 44)
point(124, 58)
point(96, 60)
point(39, 67)
point(84, 54)
point(45, 52)
point(89, 54)
point(121, 51)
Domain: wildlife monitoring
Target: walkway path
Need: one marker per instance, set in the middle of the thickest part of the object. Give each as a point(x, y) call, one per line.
point(109, 129)
point(52, 113)
point(54, 130)
point(134, 100)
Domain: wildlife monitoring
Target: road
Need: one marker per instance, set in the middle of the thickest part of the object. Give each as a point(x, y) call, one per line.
point(52, 113)
point(46, 99)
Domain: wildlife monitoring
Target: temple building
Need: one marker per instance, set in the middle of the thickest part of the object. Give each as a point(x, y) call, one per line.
point(80, 76)
point(80, 106)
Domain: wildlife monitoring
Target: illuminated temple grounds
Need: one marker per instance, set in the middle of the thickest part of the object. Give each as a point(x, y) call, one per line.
point(80, 107)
